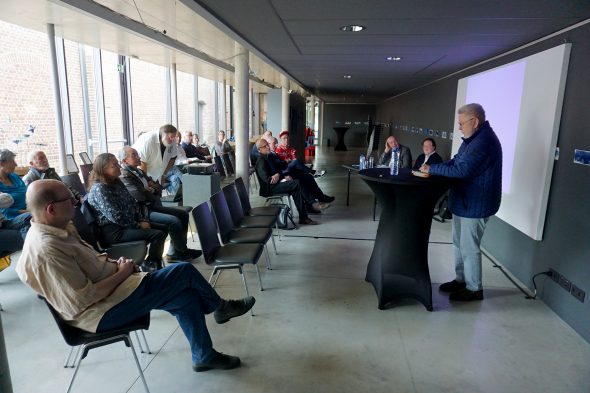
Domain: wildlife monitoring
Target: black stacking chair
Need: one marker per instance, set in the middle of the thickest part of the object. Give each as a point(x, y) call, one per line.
point(85, 169)
point(245, 201)
point(227, 162)
point(237, 212)
point(231, 234)
point(73, 181)
point(85, 224)
point(230, 256)
point(88, 341)
point(219, 166)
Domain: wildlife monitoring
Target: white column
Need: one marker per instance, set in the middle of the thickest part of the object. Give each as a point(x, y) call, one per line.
point(284, 104)
point(173, 95)
point(59, 124)
point(312, 113)
point(242, 118)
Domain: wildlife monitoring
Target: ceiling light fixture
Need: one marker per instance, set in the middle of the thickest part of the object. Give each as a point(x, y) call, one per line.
point(347, 76)
point(393, 58)
point(353, 28)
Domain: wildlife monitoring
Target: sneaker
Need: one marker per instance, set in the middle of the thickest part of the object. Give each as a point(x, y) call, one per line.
point(219, 361)
point(452, 286)
point(307, 221)
point(229, 309)
point(319, 174)
point(465, 295)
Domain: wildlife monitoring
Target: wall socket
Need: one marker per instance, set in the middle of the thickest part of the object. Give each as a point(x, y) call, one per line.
point(567, 285)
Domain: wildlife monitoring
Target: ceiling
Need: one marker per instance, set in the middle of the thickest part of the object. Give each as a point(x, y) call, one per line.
point(302, 39)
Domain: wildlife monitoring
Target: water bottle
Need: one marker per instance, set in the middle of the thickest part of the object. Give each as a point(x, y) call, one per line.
point(394, 163)
point(371, 162)
point(362, 162)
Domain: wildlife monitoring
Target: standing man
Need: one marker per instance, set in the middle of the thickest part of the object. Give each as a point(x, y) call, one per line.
point(405, 155)
point(477, 196)
point(94, 293)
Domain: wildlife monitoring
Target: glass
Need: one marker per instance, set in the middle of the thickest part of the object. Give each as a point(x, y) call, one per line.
point(465, 122)
point(148, 96)
point(207, 110)
point(186, 101)
point(112, 101)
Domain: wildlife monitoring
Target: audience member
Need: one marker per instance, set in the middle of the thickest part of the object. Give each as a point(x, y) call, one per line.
point(405, 156)
point(430, 156)
point(119, 216)
point(15, 215)
point(288, 154)
point(40, 169)
point(472, 200)
point(97, 294)
point(272, 181)
point(147, 192)
point(11, 240)
point(190, 145)
point(222, 145)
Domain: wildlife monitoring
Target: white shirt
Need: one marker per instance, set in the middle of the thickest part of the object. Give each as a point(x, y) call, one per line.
point(148, 147)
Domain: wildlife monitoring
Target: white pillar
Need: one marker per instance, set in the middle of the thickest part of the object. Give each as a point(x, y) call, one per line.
point(242, 118)
point(284, 104)
point(59, 124)
point(312, 113)
point(174, 95)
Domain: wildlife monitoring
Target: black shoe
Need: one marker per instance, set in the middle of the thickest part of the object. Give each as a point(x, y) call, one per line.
point(229, 309)
point(327, 199)
point(220, 361)
point(307, 221)
point(452, 286)
point(183, 256)
point(192, 254)
point(465, 295)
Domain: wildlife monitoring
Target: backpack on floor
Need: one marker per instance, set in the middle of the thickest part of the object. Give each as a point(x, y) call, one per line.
point(285, 218)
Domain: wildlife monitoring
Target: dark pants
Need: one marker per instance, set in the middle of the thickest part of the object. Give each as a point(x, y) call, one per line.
point(182, 291)
point(176, 222)
point(156, 238)
point(300, 195)
point(20, 223)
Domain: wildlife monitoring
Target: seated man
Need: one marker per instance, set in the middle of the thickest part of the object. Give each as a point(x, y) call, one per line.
point(10, 239)
point(254, 153)
point(147, 192)
point(288, 154)
point(405, 156)
point(272, 181)
point(96, 294)
point(430, 156)
point(40, 169)
point(222, 145)
point(190, 145)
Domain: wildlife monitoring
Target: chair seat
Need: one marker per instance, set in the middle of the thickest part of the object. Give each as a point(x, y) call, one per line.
point(258, 222)
point(238, 254)
point(264, 211)
point(250, 235)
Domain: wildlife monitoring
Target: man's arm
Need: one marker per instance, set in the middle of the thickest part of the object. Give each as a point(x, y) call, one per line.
point(104, 287)
point(170, 163)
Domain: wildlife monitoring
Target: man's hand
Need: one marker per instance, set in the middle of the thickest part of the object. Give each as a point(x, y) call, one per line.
point(126, 266)
point(144, 225)
point(275, 178)
point(387, 148)
point(425, 168)
point(288, 178)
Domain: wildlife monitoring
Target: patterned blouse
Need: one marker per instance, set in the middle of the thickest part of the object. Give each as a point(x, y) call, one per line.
point(115, 205)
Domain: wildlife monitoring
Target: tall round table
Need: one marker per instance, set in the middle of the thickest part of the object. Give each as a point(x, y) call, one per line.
point(340, 131)
point(398, 267)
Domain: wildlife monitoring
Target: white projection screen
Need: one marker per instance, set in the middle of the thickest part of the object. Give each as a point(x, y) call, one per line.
point(523, 102)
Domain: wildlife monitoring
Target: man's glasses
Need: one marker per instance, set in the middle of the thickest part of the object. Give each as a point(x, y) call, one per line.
point(73, 200)
point(466, 121)
point(263, 147)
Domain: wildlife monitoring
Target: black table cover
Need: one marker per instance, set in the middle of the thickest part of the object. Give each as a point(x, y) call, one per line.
point(340, 131)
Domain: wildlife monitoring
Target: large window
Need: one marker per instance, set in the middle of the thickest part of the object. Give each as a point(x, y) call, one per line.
point(148, 96)
point(186, 101)
point(207, 105)
point(111, 80)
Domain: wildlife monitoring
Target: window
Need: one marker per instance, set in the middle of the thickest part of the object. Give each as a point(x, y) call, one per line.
point(186, 101)
point(148, 96)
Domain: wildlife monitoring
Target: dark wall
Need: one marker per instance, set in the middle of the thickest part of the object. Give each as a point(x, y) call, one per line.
point(296, 124)
point(566, 242)
point(356, 135)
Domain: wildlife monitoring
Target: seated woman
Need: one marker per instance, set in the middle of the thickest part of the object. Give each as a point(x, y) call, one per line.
point(10, 239)
point(16, 216)
point(430, 156)
point(119, 216)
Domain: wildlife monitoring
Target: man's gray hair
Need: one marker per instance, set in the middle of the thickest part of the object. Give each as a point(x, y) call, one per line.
point(122, 154)
point(6, 155)
point(475, 110)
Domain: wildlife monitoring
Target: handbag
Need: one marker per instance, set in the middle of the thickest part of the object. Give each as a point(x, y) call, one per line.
point(285, 218)
point(4, 262)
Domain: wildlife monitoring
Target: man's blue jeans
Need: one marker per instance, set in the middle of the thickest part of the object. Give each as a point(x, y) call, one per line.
point(182, 291)
point(467, 234)
point(22, 223)
point(176, 222)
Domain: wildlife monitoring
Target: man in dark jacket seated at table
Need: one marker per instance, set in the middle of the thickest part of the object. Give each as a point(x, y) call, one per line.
point(273, 181)
point(430, 156)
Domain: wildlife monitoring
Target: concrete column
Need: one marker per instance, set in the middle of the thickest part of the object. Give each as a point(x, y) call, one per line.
point(173, 95)
point(242, 117)
point(59, 123)
point(312, 113)
point(284, 104)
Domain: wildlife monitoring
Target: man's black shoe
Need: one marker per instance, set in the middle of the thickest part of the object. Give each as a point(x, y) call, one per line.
point(220, 361)
point(229, 309)
point(327, 199)
point(183, 256)
point(465, 295)
point(452, 286)
point(192, 254)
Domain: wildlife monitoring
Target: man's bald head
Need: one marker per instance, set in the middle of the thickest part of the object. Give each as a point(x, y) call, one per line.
point(42, 192)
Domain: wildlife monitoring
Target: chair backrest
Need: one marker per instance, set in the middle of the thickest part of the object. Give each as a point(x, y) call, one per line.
point(207, 230)
point(222, 215)
point(233, 203)
point(86, 169)
point(85, 158)
point(227, 162)
point(73, 181)
point(219, 166)
point(72, 335)
point(243, 194)
point(84, 222)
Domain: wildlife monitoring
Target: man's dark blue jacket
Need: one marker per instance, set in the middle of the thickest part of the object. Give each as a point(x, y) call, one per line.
point(479, 166)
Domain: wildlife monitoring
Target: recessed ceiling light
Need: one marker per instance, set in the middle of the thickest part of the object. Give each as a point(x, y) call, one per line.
point(347, 76)
point(353, 28)
point(393, 58)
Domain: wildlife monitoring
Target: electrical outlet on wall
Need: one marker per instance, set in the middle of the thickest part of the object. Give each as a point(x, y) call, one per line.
point(578, 293)
point(554, 275)
point(565, 283)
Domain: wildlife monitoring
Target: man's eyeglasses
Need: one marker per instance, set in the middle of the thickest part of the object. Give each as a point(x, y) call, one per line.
point(263, 147)
point(466, 121)
point(73, 200)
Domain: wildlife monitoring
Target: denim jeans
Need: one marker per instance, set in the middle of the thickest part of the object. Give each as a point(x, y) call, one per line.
point(182, 291)
point(10, 241)
point(467, 234)
point(22, 223)
point(176, 222)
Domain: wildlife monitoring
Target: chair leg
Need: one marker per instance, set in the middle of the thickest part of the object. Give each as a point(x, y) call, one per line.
point(278, 230)
point(241, 270)
point(138, 365)
point(217, 271)
point(67, 362)
point(266, 253)
point(75, 371)
point(138, 342)
point(274, 245)
point(259, 279)
point(146, 342)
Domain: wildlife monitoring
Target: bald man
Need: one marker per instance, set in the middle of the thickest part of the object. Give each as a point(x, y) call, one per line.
point(405, 155)
point(94, 293)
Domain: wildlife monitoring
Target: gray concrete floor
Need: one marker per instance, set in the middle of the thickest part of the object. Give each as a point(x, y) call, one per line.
point(317, 327)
